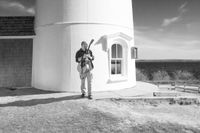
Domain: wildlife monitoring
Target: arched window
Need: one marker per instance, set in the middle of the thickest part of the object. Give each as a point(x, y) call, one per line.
point(116, 59)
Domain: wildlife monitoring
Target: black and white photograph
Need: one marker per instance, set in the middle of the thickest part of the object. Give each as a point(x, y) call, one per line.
point(99, 66)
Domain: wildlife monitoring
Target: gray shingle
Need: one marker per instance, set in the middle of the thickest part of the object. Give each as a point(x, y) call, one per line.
point(17, 26)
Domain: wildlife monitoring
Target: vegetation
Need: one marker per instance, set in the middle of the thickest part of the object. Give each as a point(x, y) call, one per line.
point(163, 71)
point(141, 76)
point(62, 115)
point(160, 75)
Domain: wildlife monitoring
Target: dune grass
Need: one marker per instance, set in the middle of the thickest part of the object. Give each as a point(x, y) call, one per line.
point(98, 116)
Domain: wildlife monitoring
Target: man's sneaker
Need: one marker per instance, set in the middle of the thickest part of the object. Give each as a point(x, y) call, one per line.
point(82, 95)
point(90, 97)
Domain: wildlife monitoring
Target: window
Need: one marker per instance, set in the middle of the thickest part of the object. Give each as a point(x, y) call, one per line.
point(116, 59)
point(118, 47)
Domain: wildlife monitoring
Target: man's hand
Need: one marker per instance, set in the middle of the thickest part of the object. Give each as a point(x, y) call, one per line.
point(88, 56)
point(79, 59)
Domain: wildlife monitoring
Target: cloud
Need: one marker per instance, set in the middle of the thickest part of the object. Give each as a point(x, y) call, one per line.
point(182, 8)
point(194, 27)
point(180, 47)
point(158, 40)
point(143, 40)
point(14, 5)
point(168, 21)
point(193, 43)
point(17, 6)
point(31, 10)
point(142, 28)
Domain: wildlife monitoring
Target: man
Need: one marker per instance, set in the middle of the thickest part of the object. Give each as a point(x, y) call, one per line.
point(84, 57)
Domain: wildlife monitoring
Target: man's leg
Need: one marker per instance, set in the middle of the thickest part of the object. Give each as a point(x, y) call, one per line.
point(89, 82)
point(83, 86)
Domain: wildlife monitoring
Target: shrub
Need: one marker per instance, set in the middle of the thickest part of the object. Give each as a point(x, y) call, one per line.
point(184, 75)
point(141, 76)
point(196, 74)
point(160, 75)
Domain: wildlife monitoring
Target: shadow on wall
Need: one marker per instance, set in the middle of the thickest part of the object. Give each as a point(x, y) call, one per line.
point(103, 42)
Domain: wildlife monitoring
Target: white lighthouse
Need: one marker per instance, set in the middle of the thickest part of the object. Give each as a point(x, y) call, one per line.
point(61, 26)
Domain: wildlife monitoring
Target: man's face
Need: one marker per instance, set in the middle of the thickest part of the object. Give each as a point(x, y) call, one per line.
point(84, 46)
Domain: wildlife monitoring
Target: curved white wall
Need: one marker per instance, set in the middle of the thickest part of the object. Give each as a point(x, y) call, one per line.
point(117, 12)
point(61, 25)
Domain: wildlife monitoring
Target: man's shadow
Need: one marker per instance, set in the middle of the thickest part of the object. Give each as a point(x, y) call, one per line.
point(12, 91)
point(34, 102)
point(32, 91)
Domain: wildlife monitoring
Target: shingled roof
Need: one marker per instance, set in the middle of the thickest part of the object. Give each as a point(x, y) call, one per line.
point(17, 26)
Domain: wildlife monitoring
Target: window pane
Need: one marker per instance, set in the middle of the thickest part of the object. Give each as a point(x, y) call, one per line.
point(114, 49)
point(119, 66)
point(119, 51)
point(134, 53)
point(113, 67)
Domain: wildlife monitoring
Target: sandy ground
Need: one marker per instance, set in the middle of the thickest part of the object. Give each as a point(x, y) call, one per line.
point(77, 115)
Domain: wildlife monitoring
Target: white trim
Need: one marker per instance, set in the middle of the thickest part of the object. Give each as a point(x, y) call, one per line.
point(124, 41)
point(123, 76)
point(16, 37)
point(121, 35)
point(118, 78)
point(79, 23)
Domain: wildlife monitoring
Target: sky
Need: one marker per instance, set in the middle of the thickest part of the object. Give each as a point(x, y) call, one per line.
point(17, 7)
point(164, 29)
point(167, 29)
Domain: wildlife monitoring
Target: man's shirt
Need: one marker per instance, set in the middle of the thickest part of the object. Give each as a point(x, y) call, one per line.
point(80, 53)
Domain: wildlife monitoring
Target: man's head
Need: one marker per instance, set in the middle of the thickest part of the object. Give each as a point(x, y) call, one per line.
point(84, 45)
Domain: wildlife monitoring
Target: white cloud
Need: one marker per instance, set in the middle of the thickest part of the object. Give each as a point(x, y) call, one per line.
point(142, 28)
point(193, 43)
point(31, 10)
point(169, 21)
point(182, 8)
point(160, 30)
point(17, 6)
point(167, 47)
point(164, 41)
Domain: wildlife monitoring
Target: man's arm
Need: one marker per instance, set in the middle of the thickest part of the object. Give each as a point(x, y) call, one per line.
point(90, 56)
point(78, 57)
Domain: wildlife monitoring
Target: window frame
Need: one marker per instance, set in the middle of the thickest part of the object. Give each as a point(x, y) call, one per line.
point(134, 53)
point(123, 75)
point(117, 58)
point(126, 42)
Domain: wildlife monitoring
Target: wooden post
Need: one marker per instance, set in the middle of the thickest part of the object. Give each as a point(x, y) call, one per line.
point(173, 85)
point(184, 86)
point(158, 84)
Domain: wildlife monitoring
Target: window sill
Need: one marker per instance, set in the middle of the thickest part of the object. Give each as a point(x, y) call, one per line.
point(117, 79)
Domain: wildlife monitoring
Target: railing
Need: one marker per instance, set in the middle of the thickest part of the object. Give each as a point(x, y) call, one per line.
point(185, 85)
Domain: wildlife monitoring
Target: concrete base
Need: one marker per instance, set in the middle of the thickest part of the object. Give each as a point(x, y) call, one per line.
point(143, 91)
